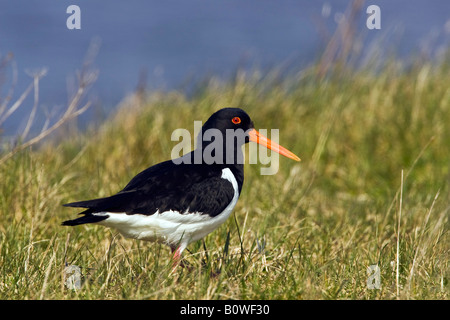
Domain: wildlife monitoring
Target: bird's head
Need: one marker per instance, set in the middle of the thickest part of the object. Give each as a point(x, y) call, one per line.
point(235, 126)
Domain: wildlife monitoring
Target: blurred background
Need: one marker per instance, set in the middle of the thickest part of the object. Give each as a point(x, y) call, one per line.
point(166, 45)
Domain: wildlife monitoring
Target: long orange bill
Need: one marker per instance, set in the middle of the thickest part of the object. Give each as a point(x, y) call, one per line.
point(257, 137)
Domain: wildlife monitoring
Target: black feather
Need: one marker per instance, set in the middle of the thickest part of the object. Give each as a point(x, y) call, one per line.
point(88, 218)
point(186, 187)
point(167, 186)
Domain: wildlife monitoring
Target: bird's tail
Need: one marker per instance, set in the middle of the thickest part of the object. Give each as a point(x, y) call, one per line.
point(95, 211)
point(87, 218)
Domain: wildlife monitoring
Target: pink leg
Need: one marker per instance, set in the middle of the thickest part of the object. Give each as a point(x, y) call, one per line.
point(176, 258)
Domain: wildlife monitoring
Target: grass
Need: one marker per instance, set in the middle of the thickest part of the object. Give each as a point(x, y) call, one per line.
point(372, 189)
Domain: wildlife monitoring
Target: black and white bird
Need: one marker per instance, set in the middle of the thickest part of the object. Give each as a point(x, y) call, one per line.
point(180, 201)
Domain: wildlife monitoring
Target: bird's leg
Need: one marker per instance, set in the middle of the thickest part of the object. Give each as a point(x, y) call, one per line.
point(176, 258)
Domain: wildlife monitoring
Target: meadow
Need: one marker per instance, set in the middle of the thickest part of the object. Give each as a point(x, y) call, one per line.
point(372, 189)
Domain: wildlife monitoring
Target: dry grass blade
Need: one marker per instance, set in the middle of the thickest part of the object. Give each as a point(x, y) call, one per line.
point(416, 258)
point(86, 78)
point(37, 75)
point(397, 274)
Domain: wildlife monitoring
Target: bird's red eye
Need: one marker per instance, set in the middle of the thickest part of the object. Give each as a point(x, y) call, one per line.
point(236, 120)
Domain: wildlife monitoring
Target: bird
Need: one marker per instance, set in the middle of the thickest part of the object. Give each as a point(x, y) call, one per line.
point(180, 201)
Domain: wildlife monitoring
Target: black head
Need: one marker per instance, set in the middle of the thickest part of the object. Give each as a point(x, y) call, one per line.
point(229, 118)
point(222, 136)
point(225, 132)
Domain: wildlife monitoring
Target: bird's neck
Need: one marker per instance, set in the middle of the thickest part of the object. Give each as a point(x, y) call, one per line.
point(218, 154)
point(218, 160)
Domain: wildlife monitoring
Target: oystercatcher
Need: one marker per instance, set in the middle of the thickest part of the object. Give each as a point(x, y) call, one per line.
point(180, 201)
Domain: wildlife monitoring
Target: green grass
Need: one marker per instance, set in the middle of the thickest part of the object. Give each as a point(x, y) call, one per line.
point(322, 222)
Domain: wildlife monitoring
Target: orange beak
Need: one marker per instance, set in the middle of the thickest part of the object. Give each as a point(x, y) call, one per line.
point(257, 137)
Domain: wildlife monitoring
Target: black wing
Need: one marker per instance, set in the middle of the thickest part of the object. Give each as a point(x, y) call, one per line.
point(167, 186)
